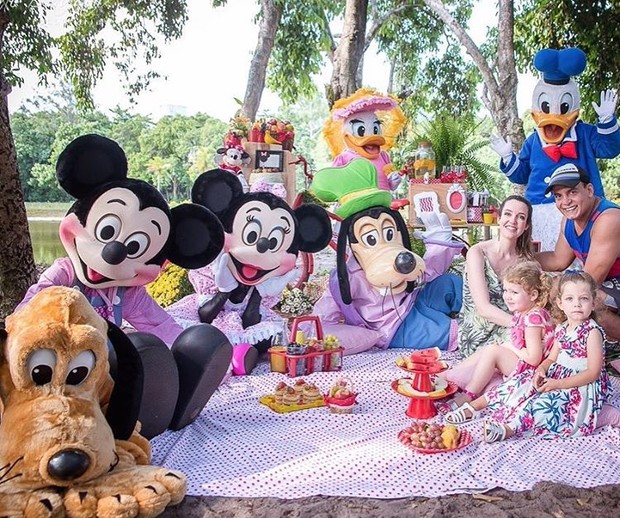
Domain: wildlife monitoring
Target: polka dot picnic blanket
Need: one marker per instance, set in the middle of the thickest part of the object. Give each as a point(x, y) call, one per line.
point(240, 448)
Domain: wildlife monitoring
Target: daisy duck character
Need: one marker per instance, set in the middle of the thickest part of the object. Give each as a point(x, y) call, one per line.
point(117, 236)
point(559, 138)
point(232, 157)
point(263, 237)
point(383, 285)
point(365, 125)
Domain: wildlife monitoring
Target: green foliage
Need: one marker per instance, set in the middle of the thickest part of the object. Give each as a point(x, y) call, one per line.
point(590, 25)
point(171, 285)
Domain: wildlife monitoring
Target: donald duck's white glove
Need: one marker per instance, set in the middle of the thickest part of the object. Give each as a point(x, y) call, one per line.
point(438, 228)
point(224, 279)
point(501, 146)
point(607, 109)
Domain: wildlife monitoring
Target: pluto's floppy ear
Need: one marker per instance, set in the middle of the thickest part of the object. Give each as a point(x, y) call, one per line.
point(5, 376)
point(124, 406)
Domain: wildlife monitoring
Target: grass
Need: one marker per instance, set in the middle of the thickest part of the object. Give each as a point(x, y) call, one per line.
point(47, 209)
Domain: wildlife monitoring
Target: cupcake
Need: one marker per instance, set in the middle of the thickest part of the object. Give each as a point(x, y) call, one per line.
point(341, 398)
point(290, 397)
point(311, 393)
point(279, 392)
point(299, 386)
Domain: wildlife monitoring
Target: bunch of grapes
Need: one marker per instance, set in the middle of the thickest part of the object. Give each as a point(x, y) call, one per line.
point(426, 436)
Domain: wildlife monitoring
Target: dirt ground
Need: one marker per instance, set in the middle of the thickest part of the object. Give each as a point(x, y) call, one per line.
point(545, 500)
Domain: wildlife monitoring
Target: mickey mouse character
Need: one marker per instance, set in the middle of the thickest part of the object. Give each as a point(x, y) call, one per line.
point(232, 158)
point(263, 237)
point(383, 285)
point(117, 236)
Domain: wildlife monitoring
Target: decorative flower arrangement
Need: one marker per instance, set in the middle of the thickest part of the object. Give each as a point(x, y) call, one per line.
point(171, 285)
point(294, 303)
point(239, 126)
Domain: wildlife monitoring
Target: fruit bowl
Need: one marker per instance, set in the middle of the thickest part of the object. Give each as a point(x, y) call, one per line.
point(412, 436)
point(442, 388)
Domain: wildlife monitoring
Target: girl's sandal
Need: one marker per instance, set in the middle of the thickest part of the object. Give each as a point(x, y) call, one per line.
point(460, 415)
point(494, 432)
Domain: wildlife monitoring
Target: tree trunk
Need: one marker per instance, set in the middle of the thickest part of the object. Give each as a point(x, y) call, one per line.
point(500, 85)
point(17, 271)
point(268, 26)
point(349, 52)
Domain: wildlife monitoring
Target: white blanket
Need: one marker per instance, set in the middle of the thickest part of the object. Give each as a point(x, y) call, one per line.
point(240, 448)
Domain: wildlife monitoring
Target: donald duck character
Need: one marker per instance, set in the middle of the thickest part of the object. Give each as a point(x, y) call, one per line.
point(365, 125)
point(560, 138)
point(382, 285)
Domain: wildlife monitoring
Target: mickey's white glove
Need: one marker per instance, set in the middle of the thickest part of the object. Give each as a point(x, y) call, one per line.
point(607, 109)
point(437, 226)
point(394, 180)
point(224, 279)
point(501, 146)
point(274, 286)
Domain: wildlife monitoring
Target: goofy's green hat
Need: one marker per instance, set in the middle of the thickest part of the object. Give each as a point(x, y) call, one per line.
point(354, 186)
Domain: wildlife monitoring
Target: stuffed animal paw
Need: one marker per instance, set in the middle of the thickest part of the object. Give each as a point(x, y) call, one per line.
point(143, 491)
point(42, 503)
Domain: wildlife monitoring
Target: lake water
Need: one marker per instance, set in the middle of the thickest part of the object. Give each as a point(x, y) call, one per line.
point(45, 241)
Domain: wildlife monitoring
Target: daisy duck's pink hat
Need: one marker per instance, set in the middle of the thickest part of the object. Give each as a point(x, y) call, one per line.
point(365, 104)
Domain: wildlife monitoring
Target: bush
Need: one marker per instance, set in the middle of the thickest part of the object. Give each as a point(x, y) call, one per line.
point(171, 285)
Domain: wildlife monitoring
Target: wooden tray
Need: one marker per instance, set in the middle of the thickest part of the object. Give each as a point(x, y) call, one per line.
point(464, 440)
point(269, 401)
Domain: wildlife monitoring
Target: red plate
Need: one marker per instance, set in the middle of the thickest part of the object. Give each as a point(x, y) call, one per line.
point(464, 440)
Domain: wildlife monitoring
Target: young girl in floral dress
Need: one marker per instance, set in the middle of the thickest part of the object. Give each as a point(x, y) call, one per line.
point(564, 395)
point(526, 291)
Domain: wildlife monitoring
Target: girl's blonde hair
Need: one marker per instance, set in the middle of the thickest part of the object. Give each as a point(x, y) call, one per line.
point(573, 276)
point(529, 275)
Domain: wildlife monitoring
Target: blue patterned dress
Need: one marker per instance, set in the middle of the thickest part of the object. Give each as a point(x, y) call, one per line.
point(559, 413)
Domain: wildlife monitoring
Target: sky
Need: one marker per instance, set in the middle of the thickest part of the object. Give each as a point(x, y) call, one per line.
point(206, 69)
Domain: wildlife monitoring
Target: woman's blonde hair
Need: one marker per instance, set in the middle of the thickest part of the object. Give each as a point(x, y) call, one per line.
point(573, 276)
point(530, 276)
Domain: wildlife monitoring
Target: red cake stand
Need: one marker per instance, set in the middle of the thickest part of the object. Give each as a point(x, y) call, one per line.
point(422, 407)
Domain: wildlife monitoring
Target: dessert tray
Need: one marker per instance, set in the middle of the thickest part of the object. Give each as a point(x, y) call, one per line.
point(405, 436)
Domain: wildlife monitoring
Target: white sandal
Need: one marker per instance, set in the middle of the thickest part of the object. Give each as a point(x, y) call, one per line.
point(459, 416)
point(494, 432)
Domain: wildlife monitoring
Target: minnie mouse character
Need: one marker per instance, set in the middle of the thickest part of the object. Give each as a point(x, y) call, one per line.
point(231, 158)
point(117, 235)
point(263, 237)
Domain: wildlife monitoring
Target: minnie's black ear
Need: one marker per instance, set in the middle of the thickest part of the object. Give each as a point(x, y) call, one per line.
point(88, 162)
point(314, 227)
point(216, 190)
point(196, 235)
point(124, 407)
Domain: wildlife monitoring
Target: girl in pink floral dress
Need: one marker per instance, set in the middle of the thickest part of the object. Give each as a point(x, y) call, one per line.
point(564, 395)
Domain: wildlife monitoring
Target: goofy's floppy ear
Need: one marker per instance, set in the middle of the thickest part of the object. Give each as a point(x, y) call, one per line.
point(341, 262)
point(5, 376)
point(196, 236)
point(314, 227)
point(124, 406)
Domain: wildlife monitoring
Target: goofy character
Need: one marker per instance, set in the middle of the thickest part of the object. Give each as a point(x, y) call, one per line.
point(560, 138)
point(117, 236)
point(383, 285)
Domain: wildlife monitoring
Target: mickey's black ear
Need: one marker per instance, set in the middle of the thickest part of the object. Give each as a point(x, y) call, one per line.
point(216, 190)
point(88, 162)
point(196, 236)
point(315, 229)
point(124, 407)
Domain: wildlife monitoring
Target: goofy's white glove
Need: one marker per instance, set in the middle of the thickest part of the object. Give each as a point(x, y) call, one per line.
point(607, 109)
point(394, 180)
point(502, 147)
point(438, 228)
point(274, 286)
point(224, 279)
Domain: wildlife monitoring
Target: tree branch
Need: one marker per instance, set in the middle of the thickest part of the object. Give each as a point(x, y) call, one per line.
point(380, 21)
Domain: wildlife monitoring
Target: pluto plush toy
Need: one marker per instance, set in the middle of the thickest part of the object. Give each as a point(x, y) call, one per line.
point(117, 235)
point(383, 285)
point(263, 236)
point(559, 138)
point(68, 439)
point(365, 125)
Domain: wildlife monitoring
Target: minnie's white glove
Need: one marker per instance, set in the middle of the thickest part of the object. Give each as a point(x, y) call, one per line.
point(394, 180)
point(224, 279)
point(437, 226)
point(274, 286)
point(501, 146)
point(607, 109)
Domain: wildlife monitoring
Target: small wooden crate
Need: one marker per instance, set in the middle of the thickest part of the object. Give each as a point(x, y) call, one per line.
point(452, 198)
